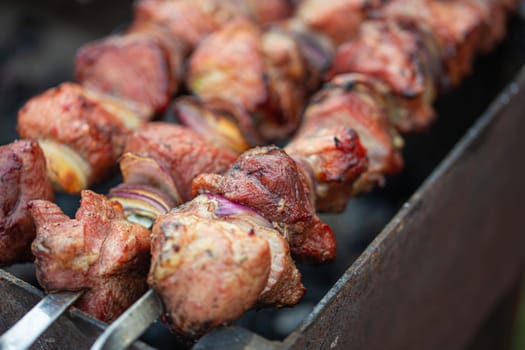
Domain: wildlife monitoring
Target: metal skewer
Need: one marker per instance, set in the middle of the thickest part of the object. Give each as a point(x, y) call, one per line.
point(27, 330)
point(131, 324)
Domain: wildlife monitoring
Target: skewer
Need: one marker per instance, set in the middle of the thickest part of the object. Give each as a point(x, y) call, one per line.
point(37, 320)
point(131, 324)
point(29, 328)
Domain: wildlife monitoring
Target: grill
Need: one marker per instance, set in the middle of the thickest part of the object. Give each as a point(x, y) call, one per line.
point(448, 258)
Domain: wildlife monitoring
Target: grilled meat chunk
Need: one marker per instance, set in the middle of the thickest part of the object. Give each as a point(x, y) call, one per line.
point(456, 25)
point(179, 153)
point(81, 133)
point(22, 179)
point(402, 57)
point(338, 19)
point(209, 270)
point(332, 155)
point(192, 21)
point(136, 66)
point(98, 251)
point(270, 182)
point(265, 75)
point(229, 66)
point(351, 101)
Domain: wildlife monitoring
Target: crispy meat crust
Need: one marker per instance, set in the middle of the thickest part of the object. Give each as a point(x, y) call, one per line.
point(333, 157)
point(401, 57)
point(352, 102)
point(270, 182)
point(22, 179)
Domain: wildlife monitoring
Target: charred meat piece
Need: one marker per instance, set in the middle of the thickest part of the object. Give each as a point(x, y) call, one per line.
point(22, 179)
point(271, 183)
point(402, 58)
point(208, 270)
point(334, 158)
point(179, 153)
point(349, 101)
point(98, 251)
point(81, 133)
point(262, 74)
point(456, 25)
point(294, 62)
point(339, 19)
point(140, 66)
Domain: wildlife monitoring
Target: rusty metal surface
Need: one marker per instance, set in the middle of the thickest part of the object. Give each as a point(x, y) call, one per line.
point(434, 273)
point(72, 330)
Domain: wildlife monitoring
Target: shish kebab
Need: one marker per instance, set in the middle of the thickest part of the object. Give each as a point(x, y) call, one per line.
point(82, 129)
point(127, 79)
point(68, 94)
point(343, 96)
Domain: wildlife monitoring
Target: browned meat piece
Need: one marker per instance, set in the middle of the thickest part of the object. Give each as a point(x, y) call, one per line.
point(174, 49)
point(141, 66)
point(333, 156)
point(286, 76)
point(207, 269)
point(270, 182)
point(229, 66)
point(266, 74)
point(494, 15)
point(269, 11)
point(81, 133)
point(179, 152)
point(191, 21)
point(401, 58)
point(98, 251)
point(456, 25)
point(22, 179)
point(350, 101)
point(290, 62)
point(338, 19)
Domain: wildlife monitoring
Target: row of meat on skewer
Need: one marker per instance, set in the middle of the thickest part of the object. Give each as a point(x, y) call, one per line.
point(227, 211)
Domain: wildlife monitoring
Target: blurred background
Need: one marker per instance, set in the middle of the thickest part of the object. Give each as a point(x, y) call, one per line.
point(38, 40)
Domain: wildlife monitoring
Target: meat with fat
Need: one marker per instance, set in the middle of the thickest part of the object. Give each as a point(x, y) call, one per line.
point(268, 181)
point(208, 270)
point(98, 251)
point(178, 152)
point(81, 132)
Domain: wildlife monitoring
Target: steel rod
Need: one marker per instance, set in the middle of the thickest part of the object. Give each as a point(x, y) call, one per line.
point(131, 324)
point(30, 327)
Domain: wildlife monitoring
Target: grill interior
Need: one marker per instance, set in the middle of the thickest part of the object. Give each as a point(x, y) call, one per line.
point(37, 45)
